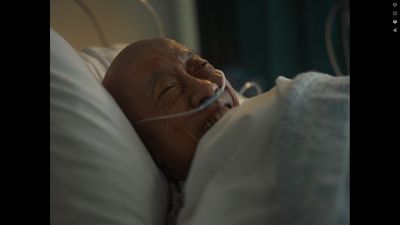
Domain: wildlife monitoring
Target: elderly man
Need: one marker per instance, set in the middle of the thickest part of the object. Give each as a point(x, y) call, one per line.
point(156, 77)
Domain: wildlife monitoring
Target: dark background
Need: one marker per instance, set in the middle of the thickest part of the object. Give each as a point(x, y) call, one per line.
point(261, 39)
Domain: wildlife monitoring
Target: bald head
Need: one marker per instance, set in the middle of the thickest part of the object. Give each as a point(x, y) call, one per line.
point(156, 77)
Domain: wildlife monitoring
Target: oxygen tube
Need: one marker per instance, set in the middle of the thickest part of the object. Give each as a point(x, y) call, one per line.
point(201, 107)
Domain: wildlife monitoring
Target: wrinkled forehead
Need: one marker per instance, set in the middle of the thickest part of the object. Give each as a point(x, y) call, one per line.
point(156, 58)
point(167, 50)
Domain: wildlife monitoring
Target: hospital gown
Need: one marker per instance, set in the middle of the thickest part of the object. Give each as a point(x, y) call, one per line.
point(176, 200)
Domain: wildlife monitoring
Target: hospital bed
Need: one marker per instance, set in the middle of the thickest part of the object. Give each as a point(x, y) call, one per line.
point(246, 169)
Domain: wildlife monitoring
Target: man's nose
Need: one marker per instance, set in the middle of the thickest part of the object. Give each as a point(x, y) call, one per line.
point(202, 90)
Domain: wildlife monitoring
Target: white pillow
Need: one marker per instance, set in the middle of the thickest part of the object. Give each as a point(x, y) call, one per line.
point(100, 171)
point(98, 59)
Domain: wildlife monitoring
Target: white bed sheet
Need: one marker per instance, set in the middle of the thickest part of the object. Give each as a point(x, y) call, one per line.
point(280, 158)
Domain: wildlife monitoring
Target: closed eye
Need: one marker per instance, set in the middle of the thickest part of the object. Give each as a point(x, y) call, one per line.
point(165, 90)
point(171, 88)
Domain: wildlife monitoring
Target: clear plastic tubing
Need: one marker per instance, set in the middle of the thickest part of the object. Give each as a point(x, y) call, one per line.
point(201, 107)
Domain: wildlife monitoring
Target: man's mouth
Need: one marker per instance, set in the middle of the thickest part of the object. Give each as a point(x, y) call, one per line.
point(216, 116)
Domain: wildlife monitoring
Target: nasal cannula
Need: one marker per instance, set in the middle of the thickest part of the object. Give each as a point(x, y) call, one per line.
point(201, 107)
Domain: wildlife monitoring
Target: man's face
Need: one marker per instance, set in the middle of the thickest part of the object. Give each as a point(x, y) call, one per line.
point(162, 77)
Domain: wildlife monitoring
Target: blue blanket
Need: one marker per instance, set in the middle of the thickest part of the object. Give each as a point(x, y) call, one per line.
point(313, 157)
